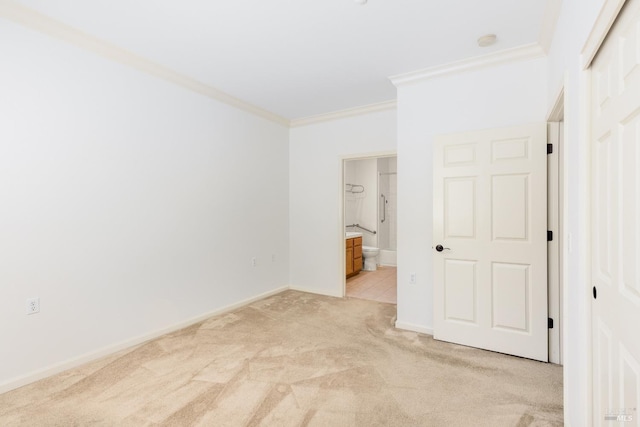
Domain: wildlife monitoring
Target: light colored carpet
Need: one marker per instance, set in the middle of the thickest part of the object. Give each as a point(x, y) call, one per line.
point(295, 359)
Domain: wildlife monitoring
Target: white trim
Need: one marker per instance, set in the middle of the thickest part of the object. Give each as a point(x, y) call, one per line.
point(341, 114)
point(564, 308)
point(585, 183)
point(521, 53)
point(414, 328)
point(556, 113)
point(554, 254)
point(316, 291)
point(604, 22)
point(44, 24)
point(549, 22)
point(557, 213)
point(372, 155)
point(110, 349)
point(342, 215)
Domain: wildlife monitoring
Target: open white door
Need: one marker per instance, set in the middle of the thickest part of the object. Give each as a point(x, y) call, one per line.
point(490, 240)
point(615, 223)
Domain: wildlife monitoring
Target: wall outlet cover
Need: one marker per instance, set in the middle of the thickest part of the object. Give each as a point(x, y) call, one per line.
point(33, 305)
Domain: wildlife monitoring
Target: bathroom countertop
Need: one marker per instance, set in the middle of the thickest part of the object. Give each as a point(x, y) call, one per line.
point(352, 234)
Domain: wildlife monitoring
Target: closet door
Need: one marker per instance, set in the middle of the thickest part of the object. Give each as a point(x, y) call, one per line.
point(615, 222)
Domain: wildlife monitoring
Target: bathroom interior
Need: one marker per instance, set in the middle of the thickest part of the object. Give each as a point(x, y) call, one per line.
point(370, 218)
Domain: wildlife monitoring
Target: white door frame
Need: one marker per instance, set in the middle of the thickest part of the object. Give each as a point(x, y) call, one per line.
point(557, 114)
point(556, 213)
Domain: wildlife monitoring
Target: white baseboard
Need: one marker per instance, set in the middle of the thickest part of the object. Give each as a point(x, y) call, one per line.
point(110, 349)
point(413, 327)
point(317, 291)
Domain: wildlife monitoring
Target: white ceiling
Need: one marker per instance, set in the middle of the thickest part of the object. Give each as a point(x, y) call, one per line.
point(300, 58)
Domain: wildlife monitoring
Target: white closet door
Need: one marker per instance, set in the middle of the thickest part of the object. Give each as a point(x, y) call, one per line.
point(615, 223)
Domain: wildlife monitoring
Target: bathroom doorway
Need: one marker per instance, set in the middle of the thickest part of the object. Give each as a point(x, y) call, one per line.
point(370, 225)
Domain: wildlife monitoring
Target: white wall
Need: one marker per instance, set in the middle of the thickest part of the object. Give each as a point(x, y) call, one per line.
point(500, 96)
point(127, 204)
point(352, 199)
point(565, 70)
point(362, 208)
point(315, 180)
point(421, 116)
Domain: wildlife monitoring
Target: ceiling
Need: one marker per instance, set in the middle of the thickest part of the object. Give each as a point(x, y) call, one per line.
point(300, 58)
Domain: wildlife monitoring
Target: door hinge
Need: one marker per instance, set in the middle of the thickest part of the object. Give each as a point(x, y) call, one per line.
point(549, 236)
point(549, 148)
point(550, 323)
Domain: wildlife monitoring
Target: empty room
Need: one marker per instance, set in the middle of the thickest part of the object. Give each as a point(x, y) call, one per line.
point(319, 213)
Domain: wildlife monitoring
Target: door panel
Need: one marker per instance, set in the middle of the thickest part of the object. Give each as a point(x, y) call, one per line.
point(490, 216)
point(460, 195)
point(615, 229)
point(512, 191)
point(460, 290)
point(511, 300)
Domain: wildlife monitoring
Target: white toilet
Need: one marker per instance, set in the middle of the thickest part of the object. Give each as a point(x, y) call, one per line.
point(370, 255)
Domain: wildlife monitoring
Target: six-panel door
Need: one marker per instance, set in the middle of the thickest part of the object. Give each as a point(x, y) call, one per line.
point(615, 219)
point(490, 216)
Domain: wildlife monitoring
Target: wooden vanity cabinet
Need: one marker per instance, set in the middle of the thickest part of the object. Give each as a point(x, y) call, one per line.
point(354, 256)
point(349, 259)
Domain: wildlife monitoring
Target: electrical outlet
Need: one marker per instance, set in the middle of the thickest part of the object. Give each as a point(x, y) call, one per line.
point(412, 278)
point(33, 305)
point(253, 262)
point(273, 257)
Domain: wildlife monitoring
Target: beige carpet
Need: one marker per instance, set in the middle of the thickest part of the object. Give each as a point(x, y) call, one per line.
point(295, 359)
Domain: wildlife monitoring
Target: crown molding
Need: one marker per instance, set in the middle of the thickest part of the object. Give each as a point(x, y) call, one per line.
point(520, 53)
point(607, 16)
point(36, 21)
point(341, 114)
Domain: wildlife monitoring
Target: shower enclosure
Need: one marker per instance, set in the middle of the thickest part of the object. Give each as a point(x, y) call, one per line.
point(387, 210)
point(370, 200)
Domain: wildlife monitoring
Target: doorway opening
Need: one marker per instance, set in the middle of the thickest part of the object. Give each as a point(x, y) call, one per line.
point(370, 226)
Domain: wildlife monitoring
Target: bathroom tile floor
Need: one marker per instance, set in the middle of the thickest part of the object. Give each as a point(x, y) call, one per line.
point(380, 285)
